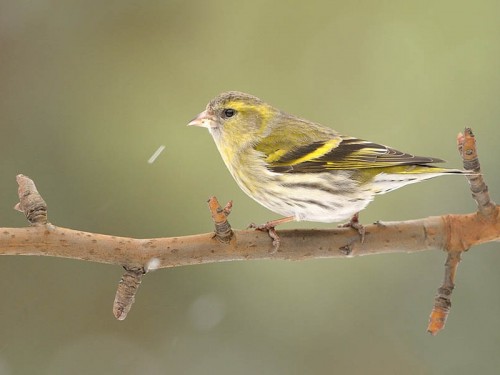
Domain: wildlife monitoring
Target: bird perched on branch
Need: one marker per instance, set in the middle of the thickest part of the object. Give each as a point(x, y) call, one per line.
point(303, 170)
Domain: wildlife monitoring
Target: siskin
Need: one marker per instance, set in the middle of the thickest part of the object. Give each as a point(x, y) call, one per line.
point(303, 170)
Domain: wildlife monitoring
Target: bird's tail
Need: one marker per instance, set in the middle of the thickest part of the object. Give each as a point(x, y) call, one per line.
point(395, 177)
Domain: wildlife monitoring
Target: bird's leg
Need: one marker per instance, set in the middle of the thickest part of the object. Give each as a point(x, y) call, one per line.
point(270, 226)
point(355, 224)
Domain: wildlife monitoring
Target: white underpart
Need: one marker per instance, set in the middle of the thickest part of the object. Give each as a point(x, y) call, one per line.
point(325, 197)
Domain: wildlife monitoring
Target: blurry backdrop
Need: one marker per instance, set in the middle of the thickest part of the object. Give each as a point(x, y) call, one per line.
point(89, 90)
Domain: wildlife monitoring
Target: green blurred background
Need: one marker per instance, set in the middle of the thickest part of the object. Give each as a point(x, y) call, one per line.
point(89, 90)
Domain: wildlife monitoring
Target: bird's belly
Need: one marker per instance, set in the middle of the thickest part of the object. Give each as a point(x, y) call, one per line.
point(321, 197)
point(325, 211)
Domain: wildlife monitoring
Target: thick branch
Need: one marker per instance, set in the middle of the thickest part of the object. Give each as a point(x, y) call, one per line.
point(451, 232)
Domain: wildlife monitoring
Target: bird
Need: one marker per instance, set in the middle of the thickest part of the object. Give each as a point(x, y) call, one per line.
point(302, 170)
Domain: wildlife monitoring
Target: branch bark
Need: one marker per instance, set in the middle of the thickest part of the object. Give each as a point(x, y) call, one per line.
point(451, 233)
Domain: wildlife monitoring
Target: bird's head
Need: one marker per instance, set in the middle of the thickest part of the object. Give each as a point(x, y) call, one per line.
point(235, 118)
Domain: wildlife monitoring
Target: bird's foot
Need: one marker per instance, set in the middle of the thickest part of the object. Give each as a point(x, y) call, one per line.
point(270, 228)
point(355, 224)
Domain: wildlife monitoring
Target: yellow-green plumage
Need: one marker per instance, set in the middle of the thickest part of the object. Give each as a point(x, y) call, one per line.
point(302, 169)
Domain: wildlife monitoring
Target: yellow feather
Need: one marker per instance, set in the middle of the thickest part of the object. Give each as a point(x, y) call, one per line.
point(276, 155)
point(319, 152)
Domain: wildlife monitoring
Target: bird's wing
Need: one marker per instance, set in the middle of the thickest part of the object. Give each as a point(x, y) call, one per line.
point(317, 151)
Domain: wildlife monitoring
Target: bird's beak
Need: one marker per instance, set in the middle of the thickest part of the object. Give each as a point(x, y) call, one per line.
point(205, 120)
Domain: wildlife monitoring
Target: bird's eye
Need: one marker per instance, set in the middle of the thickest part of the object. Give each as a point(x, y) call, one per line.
point(228, 112)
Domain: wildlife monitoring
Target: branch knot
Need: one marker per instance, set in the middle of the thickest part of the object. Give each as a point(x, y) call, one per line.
point(31, 202)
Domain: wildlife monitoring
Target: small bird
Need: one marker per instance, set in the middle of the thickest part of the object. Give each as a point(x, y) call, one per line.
point(303, 170)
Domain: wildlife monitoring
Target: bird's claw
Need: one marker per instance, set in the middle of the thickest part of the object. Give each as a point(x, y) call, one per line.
point(270, 228)
point(355, 224)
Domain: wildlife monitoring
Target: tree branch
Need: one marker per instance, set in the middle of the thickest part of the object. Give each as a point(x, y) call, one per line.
point(432, 233)
point(452, 233)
